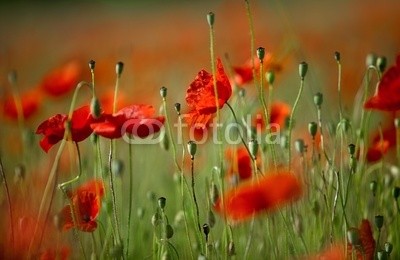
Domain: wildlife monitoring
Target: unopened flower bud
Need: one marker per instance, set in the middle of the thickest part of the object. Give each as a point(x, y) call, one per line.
point(379, 221)
point(95, 108)
point(178, 108)
point(261, 53)
point(119, 67)
point(210, 19)
point(318, 99)
point(381, 63)
point(337, 56)
point(299, 145)
point(270, 76)
point(370, 60)
point(192, 148)
point(163, 92)
point(92, 64)
point(351, 148)
point(312, 128)
point(253, 148)
point(206, 229)
point(303, 67)
point(162, 201)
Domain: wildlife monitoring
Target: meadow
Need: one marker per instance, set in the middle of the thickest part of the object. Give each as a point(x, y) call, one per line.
point(207, 130)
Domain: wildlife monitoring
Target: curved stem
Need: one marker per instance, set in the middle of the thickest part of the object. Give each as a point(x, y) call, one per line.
point(291, 122)
point(194, 194)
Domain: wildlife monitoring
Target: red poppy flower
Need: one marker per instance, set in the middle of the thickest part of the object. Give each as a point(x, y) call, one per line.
point(63, 79)
point(138, 120)
point(254, 197)
point(380, 147)
point(200, 95)
point(387, 97)
point(367, 241)
point(242, 166)
point(278, 114)
point(86, 202)
point(53, 128)
point(244, 73)
point(30, 103)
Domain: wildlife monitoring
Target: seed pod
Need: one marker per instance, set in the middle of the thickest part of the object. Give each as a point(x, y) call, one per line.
point(261, 53)
point(270, 77)
point(370, 60)
point(312, 128)
point(162, 201)
point(163, 92)
point(337, 56)
point(303, 67)
point(192, 148)
point(318, 99)
point(381, 63)
point(231, 249)
point(156, 219)
point(92, 64)
point(382, 255)
point(210, 19)
point(119, 67)
point(351, 148)
point(178, 108)
point(379, 221)
point(206, 229)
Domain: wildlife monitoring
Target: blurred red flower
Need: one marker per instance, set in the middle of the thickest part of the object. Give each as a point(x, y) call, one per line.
point(244, 73)
point(86, 203)
point(367, 241)
point(387, 97)
point(200, 95)
point(62, 253)
point(278, 114)
point(333, 252)
point(241, 163)
point(138, 120)
point(53, 128)
point(254, 197)
point(30, 104)
point(379, 146)
point(62, 79)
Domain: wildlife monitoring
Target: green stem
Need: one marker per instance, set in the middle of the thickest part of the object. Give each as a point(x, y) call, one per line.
point(10, 212)
point(130, 199)
point(170, 135)
point(339, 89)
point(291, 121)
point(113, 195)
point(194, 194)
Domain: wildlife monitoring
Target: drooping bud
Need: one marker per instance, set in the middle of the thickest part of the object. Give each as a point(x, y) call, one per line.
point(381, 63)
point(318, 99)
point(312, 128)
point(303, 67)
point(379, 221)
point(261, 53)
point(162, 201)
point(337, 56)
point(192, 148)
point(95, 108)
point(210, 19)
point(92, 64)
point(253, 148)
point(163, 92)
point(119, 67)
point(270, 77)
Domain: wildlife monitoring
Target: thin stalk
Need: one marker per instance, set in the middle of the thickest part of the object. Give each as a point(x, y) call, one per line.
point(130, 199)
point(10, 212)
point(252, 37)
point(194, 194)
point(339, 89)
point(113, 195)
point(291, 121)
point(170, 135)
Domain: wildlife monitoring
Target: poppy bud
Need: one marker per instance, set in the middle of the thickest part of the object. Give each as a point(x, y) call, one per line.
point(396, 192)
point(270, 76)
point(312, 128)
point(388, 248)
point(337, 56)
point(231, 249)
point(253, 148)
point(299, 145)
point(397, 122)
point(119, 67)
point(318, 99)
point(382, 255)
point(242, 92)
point(92, 64)
point(192, 148)
point(95, 108)
point(370, 59)
point(210, 19)
point(351, 148)
point(303, 67)
point(373, 185)
point(261, 53)
point(117, 167)
point(178, 108)
point(156, 219)
point(163, 92)
point(353, 236)
point(162, 201)
point(12, 77)
point(169, 231)
point(381, 63)
point(206, 229)
point(379, 221)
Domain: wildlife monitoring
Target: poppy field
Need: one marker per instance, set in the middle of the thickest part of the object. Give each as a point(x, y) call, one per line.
point(209, 130)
